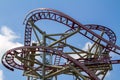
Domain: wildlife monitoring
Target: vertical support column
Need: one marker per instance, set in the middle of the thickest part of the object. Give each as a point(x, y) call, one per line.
point(28, 78)
point(56, 77)
point(44, 57)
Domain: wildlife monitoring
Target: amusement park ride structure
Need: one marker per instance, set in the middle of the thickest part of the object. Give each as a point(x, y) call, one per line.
point(45, 56)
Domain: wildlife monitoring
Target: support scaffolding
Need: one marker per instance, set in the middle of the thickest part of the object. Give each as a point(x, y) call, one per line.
point(43, 60)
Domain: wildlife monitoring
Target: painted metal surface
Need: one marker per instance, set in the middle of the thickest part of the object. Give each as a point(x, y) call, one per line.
point(92, 64)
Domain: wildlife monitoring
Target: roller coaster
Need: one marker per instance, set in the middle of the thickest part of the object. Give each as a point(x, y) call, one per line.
point(48, 54)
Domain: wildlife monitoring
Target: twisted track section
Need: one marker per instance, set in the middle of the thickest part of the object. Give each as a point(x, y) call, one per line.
point(54, 15)
point(50, 14)
point(110, 34)
point(11, 62)
point(107, 31)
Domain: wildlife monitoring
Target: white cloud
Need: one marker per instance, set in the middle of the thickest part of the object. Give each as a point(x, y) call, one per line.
point(7, 40)
point(1, 75)
point(87, 46)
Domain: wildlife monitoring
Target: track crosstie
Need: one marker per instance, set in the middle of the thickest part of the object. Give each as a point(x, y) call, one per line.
point(86, 67)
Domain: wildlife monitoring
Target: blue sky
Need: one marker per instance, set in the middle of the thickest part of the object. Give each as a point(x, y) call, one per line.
point(12, 14)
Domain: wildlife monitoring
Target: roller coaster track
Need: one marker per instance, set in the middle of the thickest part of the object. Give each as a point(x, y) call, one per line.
point(12, 63)
point(54, 15)
point(50, 14)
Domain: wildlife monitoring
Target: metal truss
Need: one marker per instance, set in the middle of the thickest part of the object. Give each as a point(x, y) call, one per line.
point(42, 61)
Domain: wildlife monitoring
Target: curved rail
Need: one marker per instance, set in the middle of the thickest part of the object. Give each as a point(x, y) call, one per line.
point(11, 62)
point(50, 14)
point(8, 58)
point(110, 34)
point(107, 31)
